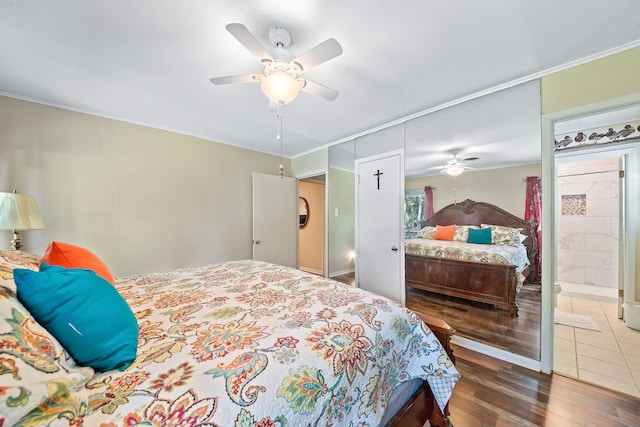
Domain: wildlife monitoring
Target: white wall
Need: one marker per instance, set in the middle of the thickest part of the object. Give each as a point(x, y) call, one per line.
point(142, 199)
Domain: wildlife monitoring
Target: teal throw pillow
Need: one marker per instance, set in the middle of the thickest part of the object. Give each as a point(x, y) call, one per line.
point(84, 312)
point(482, 236)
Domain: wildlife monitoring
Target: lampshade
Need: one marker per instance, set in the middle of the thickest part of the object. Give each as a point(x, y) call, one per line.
point(19, 212)
point(279, 86)
point(454, 169)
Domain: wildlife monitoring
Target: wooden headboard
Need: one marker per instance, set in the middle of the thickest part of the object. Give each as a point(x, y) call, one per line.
point(476, 213)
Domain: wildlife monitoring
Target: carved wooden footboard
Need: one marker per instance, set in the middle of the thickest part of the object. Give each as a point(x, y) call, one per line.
point(422, 406)
point(493, 284)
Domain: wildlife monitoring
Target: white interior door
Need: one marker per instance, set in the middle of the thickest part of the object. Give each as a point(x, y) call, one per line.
point(275, 219)
point(380, 225)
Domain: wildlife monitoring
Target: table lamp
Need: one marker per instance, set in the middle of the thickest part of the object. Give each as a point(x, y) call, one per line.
point(19, 212)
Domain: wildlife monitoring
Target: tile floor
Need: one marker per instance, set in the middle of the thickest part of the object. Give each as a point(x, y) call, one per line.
point(609, 359)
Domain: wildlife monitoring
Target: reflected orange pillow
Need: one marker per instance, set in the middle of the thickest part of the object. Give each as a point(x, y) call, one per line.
point(71, 256)
point(444, 232)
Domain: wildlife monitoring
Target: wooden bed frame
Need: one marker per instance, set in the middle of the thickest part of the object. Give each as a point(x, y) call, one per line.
point(489, 283)
point(422, 406)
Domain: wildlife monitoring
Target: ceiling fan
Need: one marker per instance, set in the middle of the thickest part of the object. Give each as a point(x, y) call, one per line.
point(455, 167)
point(280, 79)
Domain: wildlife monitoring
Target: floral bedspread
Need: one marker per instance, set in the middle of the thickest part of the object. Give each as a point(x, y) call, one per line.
point(496, 254)
point(242, 343)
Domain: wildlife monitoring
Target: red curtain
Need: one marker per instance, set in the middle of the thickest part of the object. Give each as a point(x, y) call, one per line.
point(533, 210)
point(428, 202)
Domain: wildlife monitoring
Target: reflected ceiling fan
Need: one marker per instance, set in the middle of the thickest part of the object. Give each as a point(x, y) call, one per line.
point(455, 167)
point(280, 79)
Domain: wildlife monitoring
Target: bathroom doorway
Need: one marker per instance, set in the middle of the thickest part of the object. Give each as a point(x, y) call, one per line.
point(588, 240)
point(594, 265)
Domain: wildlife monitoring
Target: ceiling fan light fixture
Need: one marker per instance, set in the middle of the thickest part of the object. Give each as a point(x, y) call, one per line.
point(280, 86)
point(454, 169)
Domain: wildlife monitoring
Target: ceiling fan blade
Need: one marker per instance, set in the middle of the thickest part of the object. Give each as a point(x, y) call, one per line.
point(244, 36)
point(245, 78)
point(323, 52)
point(317, 89)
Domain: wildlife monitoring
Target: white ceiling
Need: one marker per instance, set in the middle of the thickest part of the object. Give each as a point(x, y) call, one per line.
point(149, 61)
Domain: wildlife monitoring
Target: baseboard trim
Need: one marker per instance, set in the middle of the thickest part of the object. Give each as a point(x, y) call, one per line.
point(340, 273)
point(497, 353)
point(310, 270)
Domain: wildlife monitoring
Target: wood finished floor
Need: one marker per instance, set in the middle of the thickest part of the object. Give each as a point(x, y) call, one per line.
point(492, 392)
point(481, 322)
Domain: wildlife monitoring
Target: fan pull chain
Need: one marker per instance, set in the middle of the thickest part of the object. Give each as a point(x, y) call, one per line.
point(455, 196)
point(279, 138)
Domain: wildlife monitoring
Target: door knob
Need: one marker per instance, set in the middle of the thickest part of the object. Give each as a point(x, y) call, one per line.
point(394, 248)
point(257, 242)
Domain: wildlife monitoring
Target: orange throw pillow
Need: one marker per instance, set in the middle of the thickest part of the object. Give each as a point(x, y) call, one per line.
point(71, 256)
point(444, 232)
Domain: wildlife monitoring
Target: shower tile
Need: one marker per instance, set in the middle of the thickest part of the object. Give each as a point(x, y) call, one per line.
point(570, 274)
point(598, 259)
point(601, 242)
point(600, 190)
point(583, 224)
point(607, 278)
point(602, 207)
point(571, 240)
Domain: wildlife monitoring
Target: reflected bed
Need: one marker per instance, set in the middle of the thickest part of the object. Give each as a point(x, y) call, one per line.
point(483, 273)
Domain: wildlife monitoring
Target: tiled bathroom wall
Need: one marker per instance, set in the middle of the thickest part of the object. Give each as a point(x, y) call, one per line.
point(588, 223)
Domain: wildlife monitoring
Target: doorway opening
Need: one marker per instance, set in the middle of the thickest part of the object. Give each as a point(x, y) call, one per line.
point(312, 225)
point(591, 266)
point(588, 239)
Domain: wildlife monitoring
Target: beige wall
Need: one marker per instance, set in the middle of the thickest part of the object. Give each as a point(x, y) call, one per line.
point(503, 187)
point(615, 76)
point(611, 77)
point(311, 237)
point(142, 199)
point(311, 163)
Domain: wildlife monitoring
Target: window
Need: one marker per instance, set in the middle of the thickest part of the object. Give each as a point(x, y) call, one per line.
point(414, 201)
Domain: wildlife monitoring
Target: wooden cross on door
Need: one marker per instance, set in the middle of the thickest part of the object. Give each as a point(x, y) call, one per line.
point(377, 175)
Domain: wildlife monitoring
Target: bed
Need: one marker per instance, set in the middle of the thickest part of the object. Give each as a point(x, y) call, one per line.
point(476, 272)
point(242, 343)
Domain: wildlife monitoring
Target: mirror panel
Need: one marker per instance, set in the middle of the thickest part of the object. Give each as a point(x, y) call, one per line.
point(303, 211)
point(509, 119)
point(341, 210)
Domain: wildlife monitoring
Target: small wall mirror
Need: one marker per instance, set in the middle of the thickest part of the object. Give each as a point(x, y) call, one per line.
point(303, 209)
